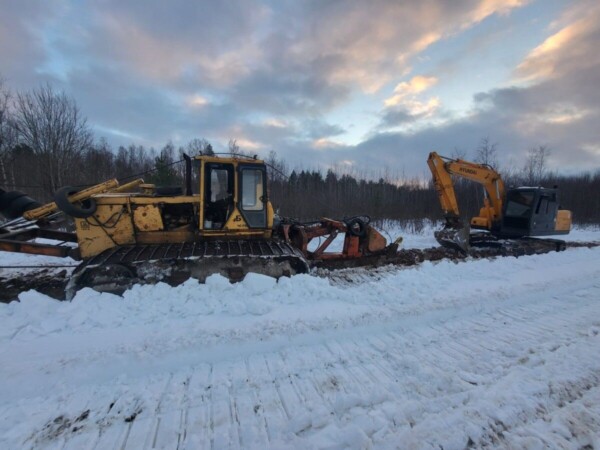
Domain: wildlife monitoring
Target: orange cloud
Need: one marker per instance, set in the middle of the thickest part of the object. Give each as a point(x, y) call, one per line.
point(361, 44)
point(486, 8)
point(572, 46)
point(324, 143)
point(411, 88)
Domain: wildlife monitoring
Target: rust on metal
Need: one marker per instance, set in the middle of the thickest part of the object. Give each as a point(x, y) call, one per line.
point(13, 245)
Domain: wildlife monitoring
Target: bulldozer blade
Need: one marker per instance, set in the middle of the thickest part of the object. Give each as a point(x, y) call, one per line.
point(454, 238)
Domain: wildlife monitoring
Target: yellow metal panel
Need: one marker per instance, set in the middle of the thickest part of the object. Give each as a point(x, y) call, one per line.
point(128, 186)
point(563, 220)
point(147, 218)
point(110, 225)
point(235, 222)
point(480, 222)
point(270, 215)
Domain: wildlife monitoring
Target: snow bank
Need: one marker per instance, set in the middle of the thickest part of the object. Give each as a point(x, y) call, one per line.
point(267, 306)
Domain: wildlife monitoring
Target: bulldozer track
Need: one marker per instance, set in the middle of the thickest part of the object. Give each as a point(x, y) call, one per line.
point(117, 269)
point(203, 249)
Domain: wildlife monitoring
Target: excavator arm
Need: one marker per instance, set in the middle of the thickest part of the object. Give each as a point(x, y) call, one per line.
point(444, 185)
point(442, 170)
point(455, 232)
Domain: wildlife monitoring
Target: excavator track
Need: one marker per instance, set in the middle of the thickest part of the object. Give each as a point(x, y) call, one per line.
point(410, 257)
point(117, 269)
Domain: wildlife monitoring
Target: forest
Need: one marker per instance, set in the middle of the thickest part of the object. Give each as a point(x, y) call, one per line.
point(46, 143)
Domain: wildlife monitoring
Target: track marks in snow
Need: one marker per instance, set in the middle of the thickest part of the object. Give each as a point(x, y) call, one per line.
point(509, 371)
point(407, 385)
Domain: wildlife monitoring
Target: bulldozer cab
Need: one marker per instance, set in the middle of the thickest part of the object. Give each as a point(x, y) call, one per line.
point(233, 193)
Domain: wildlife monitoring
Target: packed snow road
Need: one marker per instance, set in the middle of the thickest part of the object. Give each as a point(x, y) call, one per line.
point(498, 353)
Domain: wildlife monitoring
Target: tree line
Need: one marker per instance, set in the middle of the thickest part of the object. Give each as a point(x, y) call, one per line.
point(46, 143)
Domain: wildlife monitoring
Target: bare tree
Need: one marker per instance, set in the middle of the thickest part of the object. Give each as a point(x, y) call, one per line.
point(487, 153)
point(7, 137)
point(535, 164)
point(199, 147)
point(233, 146)
point(235, 149)
point(51, 124)
point(458, 153)
point(276, 167)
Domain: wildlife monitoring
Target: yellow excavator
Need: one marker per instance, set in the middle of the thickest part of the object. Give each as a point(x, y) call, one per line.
point(505, 214)
point(137, 232)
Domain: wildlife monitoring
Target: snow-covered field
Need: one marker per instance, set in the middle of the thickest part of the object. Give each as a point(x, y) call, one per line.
point(500, 353)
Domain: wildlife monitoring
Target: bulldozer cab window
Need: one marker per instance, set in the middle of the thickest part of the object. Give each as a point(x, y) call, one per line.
point(219, 185)
point(218, 195)
point(252, 190)
point(252, 198)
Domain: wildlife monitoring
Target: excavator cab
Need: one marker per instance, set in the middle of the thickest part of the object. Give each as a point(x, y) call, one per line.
point(533, 211)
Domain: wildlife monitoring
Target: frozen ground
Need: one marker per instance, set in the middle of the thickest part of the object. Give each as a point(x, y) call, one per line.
point(498, 353)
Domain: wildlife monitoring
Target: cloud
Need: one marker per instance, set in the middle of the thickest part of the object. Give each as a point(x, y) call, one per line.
point(574, 45)
point(274, 74)
point(559, 106)
point(409, 111)
point(405, 107)
point(415, 86)
point(488, 7)
point(22, 41)
point(197, 101)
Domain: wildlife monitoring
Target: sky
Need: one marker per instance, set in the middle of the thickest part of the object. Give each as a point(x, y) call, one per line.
point(360, 86)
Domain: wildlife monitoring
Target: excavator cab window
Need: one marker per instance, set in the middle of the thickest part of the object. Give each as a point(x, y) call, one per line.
point(545, 212)
point(518, 212)
point(519, 204)
point(218, 193)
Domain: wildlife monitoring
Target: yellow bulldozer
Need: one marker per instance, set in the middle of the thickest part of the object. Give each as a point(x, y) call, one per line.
point(138, 232)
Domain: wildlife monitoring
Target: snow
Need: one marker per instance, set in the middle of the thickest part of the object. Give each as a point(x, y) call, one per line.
point(501, 353)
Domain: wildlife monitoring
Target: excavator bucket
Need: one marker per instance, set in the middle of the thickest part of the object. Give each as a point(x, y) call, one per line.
point(454, 236)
